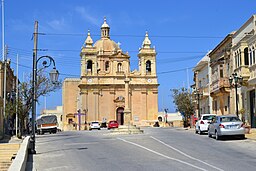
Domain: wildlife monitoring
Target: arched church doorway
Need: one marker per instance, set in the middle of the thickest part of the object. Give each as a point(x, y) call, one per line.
point(120, 115)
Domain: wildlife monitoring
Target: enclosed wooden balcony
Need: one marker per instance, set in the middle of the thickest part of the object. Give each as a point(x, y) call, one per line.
point(220, 85)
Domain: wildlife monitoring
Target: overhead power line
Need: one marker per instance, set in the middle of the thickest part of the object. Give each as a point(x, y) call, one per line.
point(65, 74)
point(78, 51)
point(132, 35)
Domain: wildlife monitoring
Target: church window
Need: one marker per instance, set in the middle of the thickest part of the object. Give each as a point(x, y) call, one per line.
point(119, 67)
point(148, 66)
point(107, 66)
point(89, 66)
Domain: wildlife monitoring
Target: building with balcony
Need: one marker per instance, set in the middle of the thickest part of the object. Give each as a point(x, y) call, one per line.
point(201, 89)
point(243, 53)
point(108, 89)
point(221, 69)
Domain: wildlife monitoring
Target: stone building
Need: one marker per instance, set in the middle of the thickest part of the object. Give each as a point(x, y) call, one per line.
point(201, 89)
point(108, 89)
point(10, 89)
point(221, 67)
point(243, 47)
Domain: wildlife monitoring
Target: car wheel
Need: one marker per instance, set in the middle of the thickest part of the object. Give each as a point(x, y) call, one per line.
point(98, 128)
point(242, 137)
point(195, 131)
point(209, 134)
point(217, 137)
point(199, 131)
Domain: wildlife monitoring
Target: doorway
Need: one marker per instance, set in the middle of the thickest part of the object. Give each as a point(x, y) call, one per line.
point(252, 109)
point(120, 115)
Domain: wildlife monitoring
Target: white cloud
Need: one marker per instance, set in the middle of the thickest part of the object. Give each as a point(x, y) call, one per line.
point(57, 24)
point(86, 15)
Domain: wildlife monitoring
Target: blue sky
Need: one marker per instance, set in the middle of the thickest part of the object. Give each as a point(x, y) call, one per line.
point(181, 30)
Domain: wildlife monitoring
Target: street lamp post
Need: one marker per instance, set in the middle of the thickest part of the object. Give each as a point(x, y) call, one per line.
point(237, 80)
point(54, 74)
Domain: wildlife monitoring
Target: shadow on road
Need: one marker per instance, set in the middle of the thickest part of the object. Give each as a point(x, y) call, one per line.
point(73, 137)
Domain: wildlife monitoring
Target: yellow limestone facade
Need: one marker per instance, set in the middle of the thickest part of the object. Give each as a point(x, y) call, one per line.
point(108, 89)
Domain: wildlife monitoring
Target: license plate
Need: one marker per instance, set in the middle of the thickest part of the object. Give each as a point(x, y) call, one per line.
point(232, 126)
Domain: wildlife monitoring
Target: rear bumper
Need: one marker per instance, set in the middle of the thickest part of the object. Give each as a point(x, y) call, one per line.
point(224, 131)
point(48, 129)
point(204, 127)
point(94, 128)
point(112, 127)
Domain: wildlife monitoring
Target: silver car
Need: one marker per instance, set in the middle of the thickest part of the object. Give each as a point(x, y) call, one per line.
point(226, 125)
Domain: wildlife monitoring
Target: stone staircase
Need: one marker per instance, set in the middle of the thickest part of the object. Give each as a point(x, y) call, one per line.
point(8, 152)
point(127, 129)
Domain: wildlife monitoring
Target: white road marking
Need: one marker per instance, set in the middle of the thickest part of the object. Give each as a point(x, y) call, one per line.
point(162, 154)
point(175, 149)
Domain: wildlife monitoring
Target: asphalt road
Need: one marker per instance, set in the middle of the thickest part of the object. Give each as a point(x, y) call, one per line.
point(158, 149)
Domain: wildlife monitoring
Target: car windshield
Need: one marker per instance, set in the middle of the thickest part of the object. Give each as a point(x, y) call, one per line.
point(95, 122)
point(229, 119)
point(208, 117)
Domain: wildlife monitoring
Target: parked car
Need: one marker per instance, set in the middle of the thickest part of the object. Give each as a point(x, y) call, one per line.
point(226, 125)
point(203, 123)
point(94, 125)
point(113, 124)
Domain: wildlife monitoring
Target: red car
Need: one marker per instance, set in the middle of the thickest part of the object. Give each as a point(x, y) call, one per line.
point(113, 124)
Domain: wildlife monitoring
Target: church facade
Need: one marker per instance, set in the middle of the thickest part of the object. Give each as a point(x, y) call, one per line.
point(108, 89)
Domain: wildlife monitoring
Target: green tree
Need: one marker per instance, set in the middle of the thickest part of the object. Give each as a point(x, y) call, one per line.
point(183, 102)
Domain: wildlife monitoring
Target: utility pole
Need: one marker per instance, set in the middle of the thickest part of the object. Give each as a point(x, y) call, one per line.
point(3, 30)
point(17, 94)
point(33, 138)
point(5, 68)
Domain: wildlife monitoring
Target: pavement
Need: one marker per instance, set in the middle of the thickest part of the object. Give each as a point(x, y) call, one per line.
point(11, 139)
point(250, 136)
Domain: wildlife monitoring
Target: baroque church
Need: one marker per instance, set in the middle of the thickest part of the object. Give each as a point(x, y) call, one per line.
point(107, 89)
